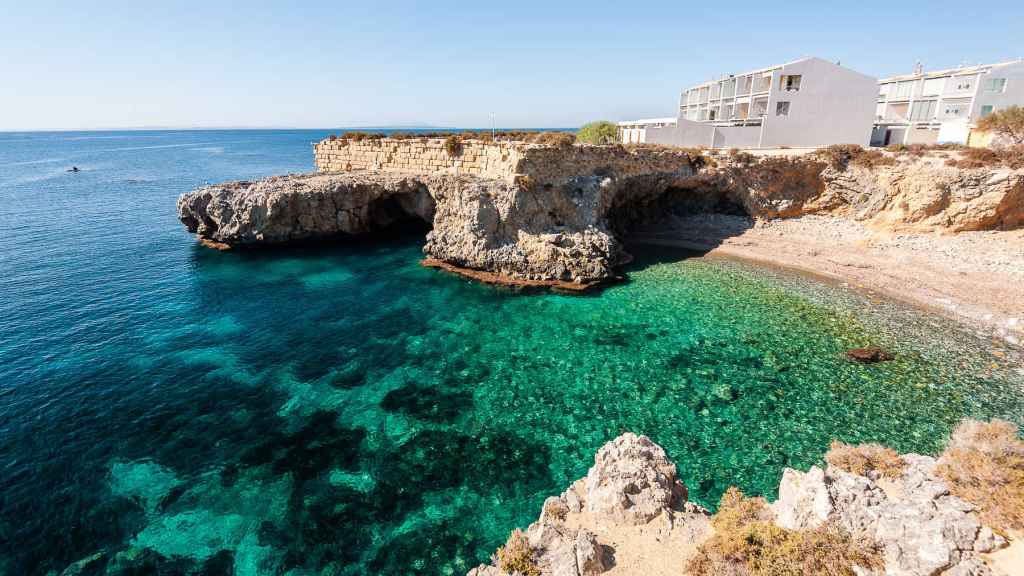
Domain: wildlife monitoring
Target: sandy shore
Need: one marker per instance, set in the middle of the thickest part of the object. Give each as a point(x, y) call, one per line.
point(974, 277)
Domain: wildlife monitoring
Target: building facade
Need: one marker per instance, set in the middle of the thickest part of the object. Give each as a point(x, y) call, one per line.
point(942, 106)
point(806, 103)
point(635, 131)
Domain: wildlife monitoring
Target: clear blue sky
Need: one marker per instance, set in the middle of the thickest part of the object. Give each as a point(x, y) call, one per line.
point(332, 64)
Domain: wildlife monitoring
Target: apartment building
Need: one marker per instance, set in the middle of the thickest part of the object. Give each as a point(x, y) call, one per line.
point(942, 106)
point(635, 131)
point(805, 103)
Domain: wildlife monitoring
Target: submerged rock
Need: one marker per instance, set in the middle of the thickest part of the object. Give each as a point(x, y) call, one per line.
point(869, 355)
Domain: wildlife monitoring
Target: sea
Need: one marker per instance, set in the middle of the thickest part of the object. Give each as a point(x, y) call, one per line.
point(338, 409)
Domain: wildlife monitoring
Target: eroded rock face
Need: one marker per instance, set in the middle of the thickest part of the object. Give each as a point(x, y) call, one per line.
point(561, 215)
point(921, 527)
point(523, 229)
point(284, 209)
point(632, 486)
point(632, 481)
point(926, 197)
point(632, 489)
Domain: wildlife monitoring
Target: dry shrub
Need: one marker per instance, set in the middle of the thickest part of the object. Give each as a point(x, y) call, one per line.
point(516, 556)
point(554, 138)
point(872, 159)
point(453, 145)
point(984, 464)
point(746, 542)
point(839, 156)
point(864, 458)
point(1010, 157)
point(741, 158)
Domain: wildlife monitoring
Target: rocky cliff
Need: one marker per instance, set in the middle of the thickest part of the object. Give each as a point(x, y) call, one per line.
point(558, 214)
point(630, 515)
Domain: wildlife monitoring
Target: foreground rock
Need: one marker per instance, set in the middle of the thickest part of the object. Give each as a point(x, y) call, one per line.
point(921, 527)
point(532, 213)
point(630, 515)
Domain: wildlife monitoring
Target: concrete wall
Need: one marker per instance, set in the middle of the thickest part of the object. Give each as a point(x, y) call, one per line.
point(834, 105)
point(1013, 95)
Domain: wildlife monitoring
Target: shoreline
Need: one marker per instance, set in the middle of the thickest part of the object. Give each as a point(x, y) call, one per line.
point(944, 274)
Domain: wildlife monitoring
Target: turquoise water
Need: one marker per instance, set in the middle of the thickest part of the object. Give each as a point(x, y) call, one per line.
point(341, 410)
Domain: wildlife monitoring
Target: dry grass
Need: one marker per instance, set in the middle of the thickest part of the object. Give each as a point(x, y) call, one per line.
point(516, 556)
point(1011, 157)
point(453, 145)
point(746, 542)
point(864, 458)
point(841, 156)
point(984, 464)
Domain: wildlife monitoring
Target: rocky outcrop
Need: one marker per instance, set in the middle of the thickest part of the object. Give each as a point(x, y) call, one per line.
point(921, 527)
point(537, 214)
point(630, 513)
point(285, 209)
point(925, 196)
point(630, 501)
point(544, 227)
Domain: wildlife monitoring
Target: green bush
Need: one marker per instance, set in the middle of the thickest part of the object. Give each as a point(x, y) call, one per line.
point(600, 132)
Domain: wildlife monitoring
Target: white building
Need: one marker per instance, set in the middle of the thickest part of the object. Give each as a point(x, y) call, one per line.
point(805, 103)
point(942, 106)
point(635, 131)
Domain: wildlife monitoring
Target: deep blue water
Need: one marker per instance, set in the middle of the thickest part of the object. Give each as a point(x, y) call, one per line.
point(165, 408)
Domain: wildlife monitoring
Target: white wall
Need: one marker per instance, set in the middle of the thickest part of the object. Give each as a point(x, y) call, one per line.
point(1013, 95)
point(834, 105)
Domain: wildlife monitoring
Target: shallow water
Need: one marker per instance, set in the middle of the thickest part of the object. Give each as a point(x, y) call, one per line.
point(341, 410)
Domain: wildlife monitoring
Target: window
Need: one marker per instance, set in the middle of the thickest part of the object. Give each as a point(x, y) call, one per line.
point(997, 85)
point(958, 110)
point(782, 108)
point(923, 111)
point(730, 111)
point(789, 83)
point(712, 114)
point(764, 83)
point(729, 89)
point(986, 110)
point(903, 90)
point(933, 86)
point(964, 84)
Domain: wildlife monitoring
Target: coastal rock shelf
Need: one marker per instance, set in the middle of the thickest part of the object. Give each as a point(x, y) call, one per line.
point(548, 214)
point(630, 515)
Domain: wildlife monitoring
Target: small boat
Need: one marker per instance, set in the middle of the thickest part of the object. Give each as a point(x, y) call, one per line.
point(74, 169)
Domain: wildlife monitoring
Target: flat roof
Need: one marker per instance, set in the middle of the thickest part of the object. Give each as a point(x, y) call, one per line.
point(959, 70)
point(667, 120)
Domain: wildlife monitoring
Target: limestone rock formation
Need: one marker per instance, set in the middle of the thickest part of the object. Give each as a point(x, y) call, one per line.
point(922, 528)
point(632, 481)
point(923, 196)
point(630, 501)
point(284, 209)
point(630, 513)
point(558, 214)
